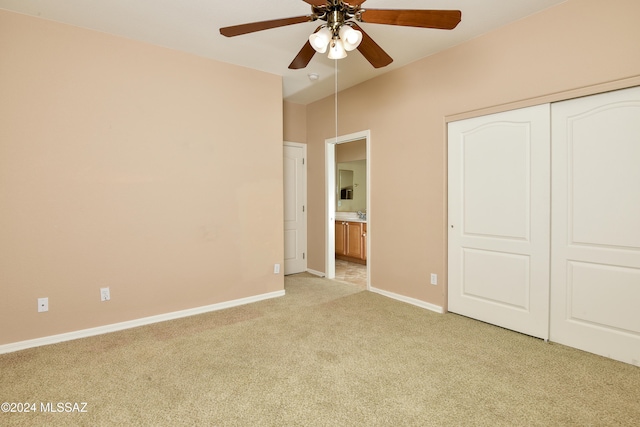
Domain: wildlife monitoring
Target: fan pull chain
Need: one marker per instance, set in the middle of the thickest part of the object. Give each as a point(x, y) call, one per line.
point(335, 73)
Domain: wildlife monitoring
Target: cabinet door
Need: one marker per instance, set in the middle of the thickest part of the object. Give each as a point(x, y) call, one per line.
point(354, 239)
point(340, 238)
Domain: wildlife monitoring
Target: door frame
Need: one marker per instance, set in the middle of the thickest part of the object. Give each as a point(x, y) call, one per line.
point(330, 199)
point(304, 195)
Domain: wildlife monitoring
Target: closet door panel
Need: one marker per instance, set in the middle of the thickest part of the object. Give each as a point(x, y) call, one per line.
point(499, 219)
point(595, 276)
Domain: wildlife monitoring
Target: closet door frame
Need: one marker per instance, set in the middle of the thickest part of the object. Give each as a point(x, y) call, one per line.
point(620, 338)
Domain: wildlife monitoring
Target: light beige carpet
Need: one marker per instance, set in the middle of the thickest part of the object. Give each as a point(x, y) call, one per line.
point(326, 354)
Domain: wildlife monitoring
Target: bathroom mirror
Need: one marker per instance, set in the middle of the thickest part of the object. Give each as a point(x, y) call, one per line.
point(352, 178)
point(345, 183)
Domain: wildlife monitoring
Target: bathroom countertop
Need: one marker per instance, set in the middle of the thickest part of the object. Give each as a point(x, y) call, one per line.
point(348, 216)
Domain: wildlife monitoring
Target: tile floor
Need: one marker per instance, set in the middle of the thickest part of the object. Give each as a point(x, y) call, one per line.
point(352, 273)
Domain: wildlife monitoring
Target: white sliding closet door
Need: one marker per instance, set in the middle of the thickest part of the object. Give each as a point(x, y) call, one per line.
point(595, 279)
point(499, 172)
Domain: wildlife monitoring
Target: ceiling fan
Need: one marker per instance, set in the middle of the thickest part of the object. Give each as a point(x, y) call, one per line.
point(341, 33)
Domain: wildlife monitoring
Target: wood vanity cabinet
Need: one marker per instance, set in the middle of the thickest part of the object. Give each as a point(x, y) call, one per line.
point(351, 241)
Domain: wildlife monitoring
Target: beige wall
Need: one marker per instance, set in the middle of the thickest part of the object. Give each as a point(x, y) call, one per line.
point(350, 151)
point(295, 122)
point(150, 171)
point(553, 54)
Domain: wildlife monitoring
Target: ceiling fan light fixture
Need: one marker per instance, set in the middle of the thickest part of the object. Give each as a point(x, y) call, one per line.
point(336, 49)
point(342, 33)
point(350, 38)
point(320, 40)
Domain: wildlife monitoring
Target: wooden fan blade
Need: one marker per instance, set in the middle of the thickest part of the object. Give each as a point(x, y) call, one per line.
point(439, 19)
point(238, 30)
point(303, 57)
point(355, 2)
point(371, 51)
point(316, 2)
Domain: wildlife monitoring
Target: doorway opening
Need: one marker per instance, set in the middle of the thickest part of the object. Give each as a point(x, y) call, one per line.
point(332, 193)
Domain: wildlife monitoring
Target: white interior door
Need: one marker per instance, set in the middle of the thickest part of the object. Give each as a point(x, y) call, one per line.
point(595, 280)
point(295, 218)
point(499, 172)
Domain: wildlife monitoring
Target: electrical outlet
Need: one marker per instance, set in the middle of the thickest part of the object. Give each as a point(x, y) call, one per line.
point(276, 269)
point(434, 279)
point(105, 295)
point(43, 305)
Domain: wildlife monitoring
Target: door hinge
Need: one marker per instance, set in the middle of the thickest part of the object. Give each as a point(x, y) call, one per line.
point(302, 208)
point(303, 160)
point(302, 255)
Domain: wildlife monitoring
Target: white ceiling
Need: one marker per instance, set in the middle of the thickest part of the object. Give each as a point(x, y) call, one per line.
point(193, 26)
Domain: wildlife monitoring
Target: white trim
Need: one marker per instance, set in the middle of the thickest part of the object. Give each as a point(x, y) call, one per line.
point(84, 333)
point(409, 300)
point(330, 200)
point(315, 273)
point(330, 175)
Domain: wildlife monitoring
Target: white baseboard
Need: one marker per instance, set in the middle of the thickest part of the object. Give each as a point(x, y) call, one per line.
point(53, 339)
point(316, 273)
point(408, 300)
